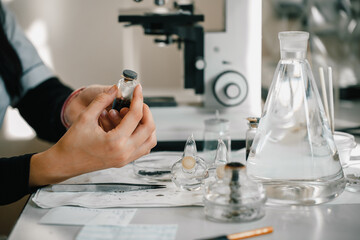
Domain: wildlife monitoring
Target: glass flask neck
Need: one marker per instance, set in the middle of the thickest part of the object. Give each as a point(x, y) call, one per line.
point(253, 125)
point(292, 55)
point(293, 44)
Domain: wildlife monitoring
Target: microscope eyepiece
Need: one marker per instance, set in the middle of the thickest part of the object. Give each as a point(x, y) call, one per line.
point(157, 2)
point(160, 2)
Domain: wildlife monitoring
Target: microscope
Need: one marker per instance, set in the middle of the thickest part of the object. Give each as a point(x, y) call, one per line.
point(223, 67)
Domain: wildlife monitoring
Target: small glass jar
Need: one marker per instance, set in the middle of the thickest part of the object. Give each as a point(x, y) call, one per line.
point(345, 143)
point(253, 123)
point(215, 129)
point(235, 198)
point(126, 86)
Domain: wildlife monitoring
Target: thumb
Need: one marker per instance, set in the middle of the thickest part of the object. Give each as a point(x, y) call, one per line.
point(102, 101)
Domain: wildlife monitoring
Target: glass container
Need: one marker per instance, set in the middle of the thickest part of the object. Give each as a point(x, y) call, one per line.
point(155, 166)
point(293, 153)
point(235, 198)
point(215, 129)
point(345, 143)
point(126, 86)
point(253, 123)
point(217, 169)
point(189, 172)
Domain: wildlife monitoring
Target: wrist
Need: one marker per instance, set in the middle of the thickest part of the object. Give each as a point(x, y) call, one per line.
point(44, 170)
point(53, 166)
point(65, 116)
point(59, 163)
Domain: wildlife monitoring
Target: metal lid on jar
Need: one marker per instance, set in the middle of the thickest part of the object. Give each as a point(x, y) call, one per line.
point(253, 122)
point(131, 75)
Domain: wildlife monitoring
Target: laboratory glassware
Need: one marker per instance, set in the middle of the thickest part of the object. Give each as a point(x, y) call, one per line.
point(253, 123)
point(189, 172)
point(217, 169)
point(221, 159)
point(352, 172)
point(235, 198)
point(345, 143)
point(155, 166)
point(215, 128)
point(126, 86)
point(293, 153)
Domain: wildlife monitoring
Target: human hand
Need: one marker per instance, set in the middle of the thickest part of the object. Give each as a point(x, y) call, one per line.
point(86, 147)
point(81, 100)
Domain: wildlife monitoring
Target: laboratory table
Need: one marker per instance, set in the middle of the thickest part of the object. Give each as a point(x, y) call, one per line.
point(339, 219)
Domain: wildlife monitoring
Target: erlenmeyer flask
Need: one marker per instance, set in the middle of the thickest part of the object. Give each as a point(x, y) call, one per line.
point(293, 153)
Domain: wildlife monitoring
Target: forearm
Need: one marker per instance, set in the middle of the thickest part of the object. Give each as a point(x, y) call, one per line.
point(59, 163)
point(14, 178)
point(41, 108)
point(46, 169)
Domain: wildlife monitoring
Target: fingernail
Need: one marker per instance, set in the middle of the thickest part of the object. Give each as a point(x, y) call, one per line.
point(113, 113)
point(103, 113)
point(112, 89)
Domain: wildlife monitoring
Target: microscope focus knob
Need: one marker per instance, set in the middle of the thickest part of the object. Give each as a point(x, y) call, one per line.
point(200, 64)
point(230, 88)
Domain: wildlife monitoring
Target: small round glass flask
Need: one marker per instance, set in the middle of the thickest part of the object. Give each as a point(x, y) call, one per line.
point(189, 172)
point(235, 198)
point(126, 86)
point(253, 123)
point(215, 128)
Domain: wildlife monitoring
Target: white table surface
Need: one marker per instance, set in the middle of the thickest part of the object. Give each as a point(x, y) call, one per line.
point(338, 219)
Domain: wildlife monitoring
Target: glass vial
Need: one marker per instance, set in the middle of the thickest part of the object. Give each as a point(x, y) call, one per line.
point(253, 123)
point(126, 86)
point(189, 172)
point(215, 129)
point(217, 170)
point(293, 153)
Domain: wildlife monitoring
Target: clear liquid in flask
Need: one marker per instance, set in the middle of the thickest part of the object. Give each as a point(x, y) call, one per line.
point(293, 153)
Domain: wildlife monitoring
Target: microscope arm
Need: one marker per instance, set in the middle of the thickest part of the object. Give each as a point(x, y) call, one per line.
point(193, 38)
point(188, 31)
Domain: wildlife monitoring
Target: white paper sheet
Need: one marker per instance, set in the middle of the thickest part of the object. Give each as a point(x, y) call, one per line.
point(130, 232)
point(86, 216)
point(170, 196)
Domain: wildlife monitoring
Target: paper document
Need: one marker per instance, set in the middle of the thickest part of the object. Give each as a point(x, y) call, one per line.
point(86, 216)
point(130, 232)
point(171, 196)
